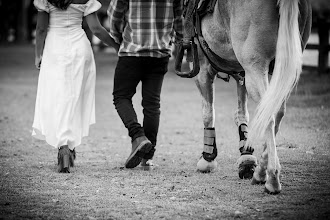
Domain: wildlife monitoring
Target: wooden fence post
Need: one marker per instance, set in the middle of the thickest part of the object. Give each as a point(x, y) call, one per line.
point(323, 48)
point(22, 22)
point(323, 59)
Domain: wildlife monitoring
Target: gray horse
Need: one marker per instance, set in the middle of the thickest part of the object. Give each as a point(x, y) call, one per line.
point(248, 39)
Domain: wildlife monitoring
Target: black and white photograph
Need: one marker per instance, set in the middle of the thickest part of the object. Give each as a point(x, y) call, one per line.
point(164, 109)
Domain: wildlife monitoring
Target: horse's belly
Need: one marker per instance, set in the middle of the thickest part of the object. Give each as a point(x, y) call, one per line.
point(219, 42)
point(218, 39)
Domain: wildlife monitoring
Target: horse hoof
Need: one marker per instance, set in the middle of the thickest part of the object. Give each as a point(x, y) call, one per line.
point(257, 182)
point(246, 167)
point(272, 191)
point(204, 166)
point(259, 176)
point(273, 185)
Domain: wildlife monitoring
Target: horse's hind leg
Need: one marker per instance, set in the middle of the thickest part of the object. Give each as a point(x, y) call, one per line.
point(204, 81)
point(269, 167)
point(281, 112)
point(278, 118)
point(247, 162)
point(273, 185)
point(260, 175)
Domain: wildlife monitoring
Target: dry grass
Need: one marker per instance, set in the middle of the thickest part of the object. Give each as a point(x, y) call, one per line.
point(99, 188)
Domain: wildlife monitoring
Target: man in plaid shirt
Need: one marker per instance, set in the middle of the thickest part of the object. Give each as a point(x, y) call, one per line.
point(144, 29)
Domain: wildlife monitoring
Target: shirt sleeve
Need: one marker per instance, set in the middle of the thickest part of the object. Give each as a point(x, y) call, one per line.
point(116, 13)
point(41, 5)
point(178, 20)
point(92, 6)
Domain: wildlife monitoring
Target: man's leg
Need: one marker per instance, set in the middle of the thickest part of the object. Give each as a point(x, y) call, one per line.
point(126, 79)
point(152, 82)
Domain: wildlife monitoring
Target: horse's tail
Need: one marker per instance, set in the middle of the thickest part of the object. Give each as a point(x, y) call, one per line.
point(288, 63)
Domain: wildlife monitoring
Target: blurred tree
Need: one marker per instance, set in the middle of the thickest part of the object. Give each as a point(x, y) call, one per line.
point(8, 19)
point(321, 23)
point(14, 17)
point(321, 8)
point(23, 20)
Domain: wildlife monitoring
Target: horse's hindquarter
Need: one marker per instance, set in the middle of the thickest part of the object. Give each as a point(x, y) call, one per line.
point(243, 31)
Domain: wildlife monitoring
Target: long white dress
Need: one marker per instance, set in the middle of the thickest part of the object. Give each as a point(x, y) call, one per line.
point(65, 102)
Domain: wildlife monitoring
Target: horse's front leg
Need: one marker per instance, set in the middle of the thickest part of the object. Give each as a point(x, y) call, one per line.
point(204, 81)
point(247, 162)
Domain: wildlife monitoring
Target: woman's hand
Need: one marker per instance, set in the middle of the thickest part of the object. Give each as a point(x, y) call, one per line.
point(100, 32)
point(37, 62)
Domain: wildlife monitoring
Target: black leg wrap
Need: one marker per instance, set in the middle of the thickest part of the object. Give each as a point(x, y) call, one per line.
point(243, 134)
point(246, 150)
point(210, 151)
point(243, 131)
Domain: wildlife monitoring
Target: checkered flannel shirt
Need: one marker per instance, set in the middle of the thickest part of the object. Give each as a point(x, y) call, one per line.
point(145, 27)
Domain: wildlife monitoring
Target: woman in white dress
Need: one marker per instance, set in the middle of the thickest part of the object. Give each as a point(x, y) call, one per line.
point(65, 102)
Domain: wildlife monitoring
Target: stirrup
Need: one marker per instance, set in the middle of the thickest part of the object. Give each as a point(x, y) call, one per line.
point(191, 53)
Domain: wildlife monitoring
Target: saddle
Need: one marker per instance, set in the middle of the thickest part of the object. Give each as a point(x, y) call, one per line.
point(201, 9)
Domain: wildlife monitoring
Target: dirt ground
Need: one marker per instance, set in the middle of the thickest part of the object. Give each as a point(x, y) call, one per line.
point(100, 188)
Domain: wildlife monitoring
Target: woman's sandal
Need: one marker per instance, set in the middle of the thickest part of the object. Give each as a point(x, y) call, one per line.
point(65, 159)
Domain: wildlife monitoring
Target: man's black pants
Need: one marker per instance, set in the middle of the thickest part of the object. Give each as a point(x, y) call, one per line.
point(129, 72)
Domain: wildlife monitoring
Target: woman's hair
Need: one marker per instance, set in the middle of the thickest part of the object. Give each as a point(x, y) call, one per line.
point(62, 4)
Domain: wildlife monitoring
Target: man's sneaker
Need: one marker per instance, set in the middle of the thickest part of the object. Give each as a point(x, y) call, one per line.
point(150, 154)
point(141, 146)
point(147, 164)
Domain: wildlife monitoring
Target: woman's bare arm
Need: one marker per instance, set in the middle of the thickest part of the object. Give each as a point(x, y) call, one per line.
point(41, 33)
point(99, 31)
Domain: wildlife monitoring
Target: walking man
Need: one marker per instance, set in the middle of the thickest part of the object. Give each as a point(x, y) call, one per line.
point(144, 29)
